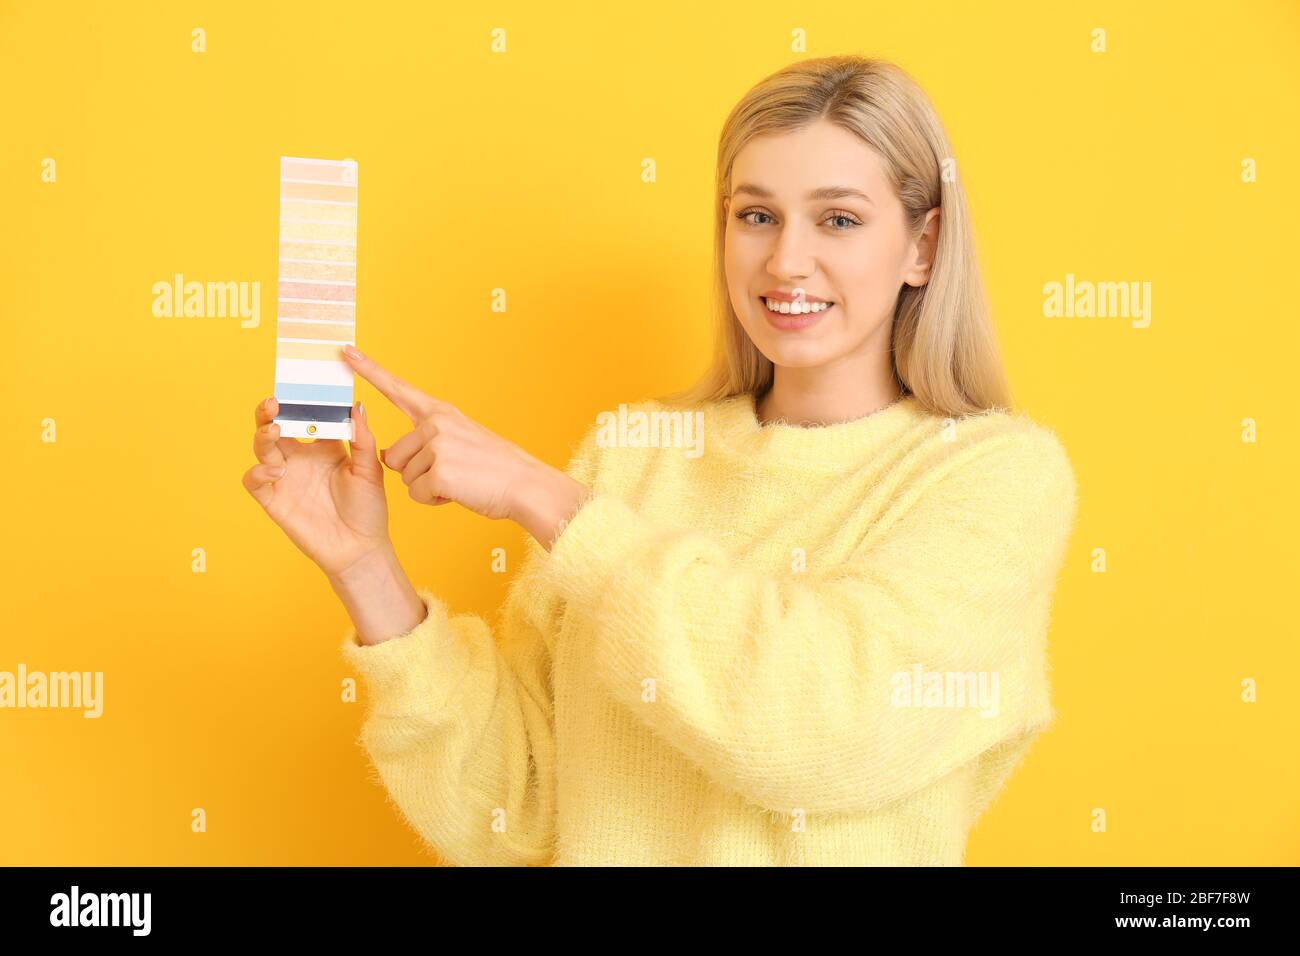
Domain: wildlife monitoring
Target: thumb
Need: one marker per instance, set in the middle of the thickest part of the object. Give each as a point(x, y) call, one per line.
point(365, 461)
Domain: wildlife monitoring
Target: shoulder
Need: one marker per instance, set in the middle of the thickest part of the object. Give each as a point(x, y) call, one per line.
point(1004, 437)
point(998, 482)
point(1038, 446)
point(1001, 457)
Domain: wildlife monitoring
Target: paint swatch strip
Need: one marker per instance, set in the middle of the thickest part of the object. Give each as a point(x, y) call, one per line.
point(317, 297)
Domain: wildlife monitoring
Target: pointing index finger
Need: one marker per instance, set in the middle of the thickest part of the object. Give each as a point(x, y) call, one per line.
point(413, 402)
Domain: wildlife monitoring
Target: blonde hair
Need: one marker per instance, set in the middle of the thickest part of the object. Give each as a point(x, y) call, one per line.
point(943, 342)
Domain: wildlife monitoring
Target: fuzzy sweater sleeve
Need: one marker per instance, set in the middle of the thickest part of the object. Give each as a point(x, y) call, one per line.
point(460, 728)
point(795, 690)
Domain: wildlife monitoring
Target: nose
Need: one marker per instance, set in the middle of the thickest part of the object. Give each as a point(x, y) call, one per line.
point(792, 258)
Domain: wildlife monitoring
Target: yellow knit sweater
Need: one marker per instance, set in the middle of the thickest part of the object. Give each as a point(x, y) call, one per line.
point(802, 646)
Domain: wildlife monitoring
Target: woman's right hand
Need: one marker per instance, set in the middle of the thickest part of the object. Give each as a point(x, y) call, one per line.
point(330, 504)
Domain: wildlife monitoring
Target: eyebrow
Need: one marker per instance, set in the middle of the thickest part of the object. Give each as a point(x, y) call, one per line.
point(825, 192)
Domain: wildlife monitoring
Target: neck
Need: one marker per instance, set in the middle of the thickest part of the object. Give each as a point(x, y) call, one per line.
point(841, 391)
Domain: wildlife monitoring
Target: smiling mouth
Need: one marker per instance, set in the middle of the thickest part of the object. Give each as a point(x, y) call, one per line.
point(795, 308)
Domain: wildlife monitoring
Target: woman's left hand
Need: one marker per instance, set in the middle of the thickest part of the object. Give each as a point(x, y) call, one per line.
point(448, 456)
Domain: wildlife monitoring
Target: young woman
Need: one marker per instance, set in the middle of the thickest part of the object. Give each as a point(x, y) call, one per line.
point(819, 638)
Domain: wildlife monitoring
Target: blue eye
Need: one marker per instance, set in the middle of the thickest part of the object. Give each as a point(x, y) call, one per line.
point(853, 221)
point(839, 214)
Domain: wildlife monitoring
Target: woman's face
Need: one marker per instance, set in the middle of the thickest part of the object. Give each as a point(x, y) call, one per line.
point(812, 217)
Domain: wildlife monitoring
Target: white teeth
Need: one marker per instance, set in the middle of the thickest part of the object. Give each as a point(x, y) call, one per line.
point(796, 308)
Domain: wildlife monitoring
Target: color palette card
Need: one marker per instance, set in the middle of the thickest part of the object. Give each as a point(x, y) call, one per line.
point(316, 311)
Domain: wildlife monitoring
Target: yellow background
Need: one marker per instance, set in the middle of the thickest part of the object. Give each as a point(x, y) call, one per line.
point(521, 170)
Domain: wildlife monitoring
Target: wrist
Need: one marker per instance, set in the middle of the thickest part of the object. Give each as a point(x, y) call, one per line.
point(546, 503)
point(379, 562)
point(378, 596)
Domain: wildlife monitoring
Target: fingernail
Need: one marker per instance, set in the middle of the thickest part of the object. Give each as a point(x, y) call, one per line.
point(352, 352)
point(277, 472)
point(361, 409)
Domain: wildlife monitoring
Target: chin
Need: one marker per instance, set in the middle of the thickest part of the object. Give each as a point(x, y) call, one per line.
point(799, 358)
point(805, 354)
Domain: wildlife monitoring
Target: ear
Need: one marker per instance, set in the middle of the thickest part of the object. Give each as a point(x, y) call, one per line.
point(923, 248)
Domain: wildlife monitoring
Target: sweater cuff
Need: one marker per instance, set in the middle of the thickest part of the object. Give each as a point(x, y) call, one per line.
point(415, 671)
point(593, 547)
